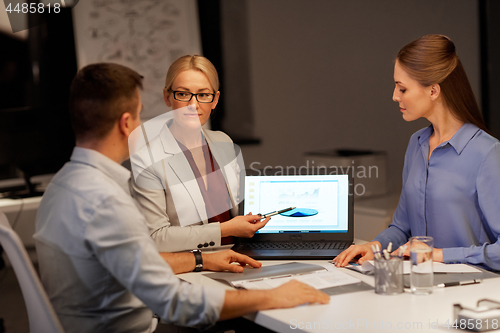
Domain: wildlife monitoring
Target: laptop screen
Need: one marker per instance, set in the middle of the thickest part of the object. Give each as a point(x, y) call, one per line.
point(321, 202)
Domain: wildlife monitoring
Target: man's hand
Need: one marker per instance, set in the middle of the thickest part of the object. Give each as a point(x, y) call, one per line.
point(288, 295)
point(242, 226)
point(353, 251)
point(222, 261)
point(294, 293)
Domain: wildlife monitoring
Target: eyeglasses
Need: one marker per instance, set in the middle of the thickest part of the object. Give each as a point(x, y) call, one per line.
point(185, 96)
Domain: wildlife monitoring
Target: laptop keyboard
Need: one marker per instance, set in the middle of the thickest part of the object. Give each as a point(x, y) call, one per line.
point(293, 246)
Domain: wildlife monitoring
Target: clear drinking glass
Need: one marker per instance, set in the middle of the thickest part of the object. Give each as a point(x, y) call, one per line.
point(422, 274)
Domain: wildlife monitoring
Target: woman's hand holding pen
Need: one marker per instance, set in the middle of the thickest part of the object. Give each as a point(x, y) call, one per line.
point(242, 226)
point(364, 251)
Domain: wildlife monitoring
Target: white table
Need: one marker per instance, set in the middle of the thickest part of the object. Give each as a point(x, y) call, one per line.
point(21, 213)
point(366, 311)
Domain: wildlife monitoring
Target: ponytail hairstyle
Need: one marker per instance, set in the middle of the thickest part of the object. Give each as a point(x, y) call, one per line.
point(432, 59)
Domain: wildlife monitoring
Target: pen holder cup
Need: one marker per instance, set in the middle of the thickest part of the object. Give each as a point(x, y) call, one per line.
point(389, 276)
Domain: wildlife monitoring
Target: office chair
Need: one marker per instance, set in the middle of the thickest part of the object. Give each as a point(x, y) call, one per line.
point(42, 317)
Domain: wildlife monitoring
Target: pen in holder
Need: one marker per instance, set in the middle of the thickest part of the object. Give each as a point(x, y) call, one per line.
point(389, 275)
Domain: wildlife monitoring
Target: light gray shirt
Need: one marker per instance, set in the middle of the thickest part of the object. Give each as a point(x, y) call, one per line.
point(98, 264)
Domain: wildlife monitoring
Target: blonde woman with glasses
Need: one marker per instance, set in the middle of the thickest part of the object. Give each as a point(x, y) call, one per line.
point(190, 193)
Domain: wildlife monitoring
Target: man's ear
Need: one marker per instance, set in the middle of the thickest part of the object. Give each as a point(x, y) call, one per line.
point(126, 124)
point(435, 91)
point(166, 96)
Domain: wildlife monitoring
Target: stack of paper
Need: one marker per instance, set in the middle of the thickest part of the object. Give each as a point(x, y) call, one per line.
point(316, 275)
point(318, 280)
point(368, 266)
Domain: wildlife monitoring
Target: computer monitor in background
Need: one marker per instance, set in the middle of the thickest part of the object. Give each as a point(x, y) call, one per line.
point(35, 141)
point(35, 76)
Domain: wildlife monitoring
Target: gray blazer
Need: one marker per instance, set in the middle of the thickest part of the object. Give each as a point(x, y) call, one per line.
point(166, 189)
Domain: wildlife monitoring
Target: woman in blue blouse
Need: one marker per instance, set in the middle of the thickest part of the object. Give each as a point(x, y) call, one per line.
point(451, 175)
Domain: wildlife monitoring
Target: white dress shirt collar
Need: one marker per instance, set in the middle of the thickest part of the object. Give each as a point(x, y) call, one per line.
point(103, 163)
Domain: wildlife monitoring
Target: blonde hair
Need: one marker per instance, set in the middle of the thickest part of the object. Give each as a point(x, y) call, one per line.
point(195, 62)
point(433, 59)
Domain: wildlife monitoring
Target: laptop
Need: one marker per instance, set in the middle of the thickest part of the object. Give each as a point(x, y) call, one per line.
point(320, 226)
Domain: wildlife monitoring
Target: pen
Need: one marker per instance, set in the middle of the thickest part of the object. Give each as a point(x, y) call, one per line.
point(387, 256)
point(459, 283)
point(402, 250)
point(376, 251)
point(379, 251)
point(277, 212)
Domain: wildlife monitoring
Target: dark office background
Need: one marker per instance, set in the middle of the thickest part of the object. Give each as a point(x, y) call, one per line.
point(272, 57)
point(35, 76)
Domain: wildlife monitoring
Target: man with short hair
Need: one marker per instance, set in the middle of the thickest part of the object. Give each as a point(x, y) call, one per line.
point(100, 267)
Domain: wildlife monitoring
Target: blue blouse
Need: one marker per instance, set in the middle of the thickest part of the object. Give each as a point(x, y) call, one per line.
point(453, 197)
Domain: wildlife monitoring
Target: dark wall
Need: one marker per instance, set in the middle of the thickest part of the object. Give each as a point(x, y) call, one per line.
point(15, 73)
point(321, 73)
point(490, 63)
point(210, 29)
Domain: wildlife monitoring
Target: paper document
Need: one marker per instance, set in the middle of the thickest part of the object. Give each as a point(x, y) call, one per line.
point(318, 280)
point(366, 268)
point(438, 267)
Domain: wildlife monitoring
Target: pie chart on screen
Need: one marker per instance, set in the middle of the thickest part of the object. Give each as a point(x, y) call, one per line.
point(300, 212)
